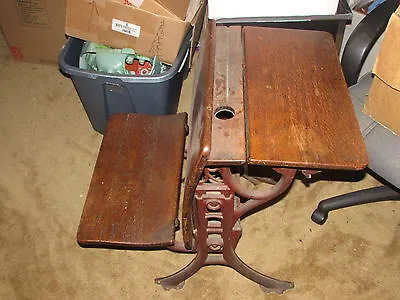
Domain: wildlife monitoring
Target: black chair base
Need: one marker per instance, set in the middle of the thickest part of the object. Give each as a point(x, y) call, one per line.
point(375, 194)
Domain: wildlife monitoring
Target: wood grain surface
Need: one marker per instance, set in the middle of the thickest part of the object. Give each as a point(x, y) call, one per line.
point(134, 193)
point(228, 134)
point(298, 110)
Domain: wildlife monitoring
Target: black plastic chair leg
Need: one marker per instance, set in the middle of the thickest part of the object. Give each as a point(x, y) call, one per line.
point(375, 194)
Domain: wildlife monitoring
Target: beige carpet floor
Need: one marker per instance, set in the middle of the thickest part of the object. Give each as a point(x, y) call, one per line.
point(47, 153)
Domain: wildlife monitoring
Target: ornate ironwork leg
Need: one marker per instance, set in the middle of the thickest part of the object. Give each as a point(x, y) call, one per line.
point(204, 244)
point(177, 280)
point(218, 229)
point(268, 284)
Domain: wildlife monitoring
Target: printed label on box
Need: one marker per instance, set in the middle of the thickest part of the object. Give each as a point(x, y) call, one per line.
point(126, 28)
point(32, 13)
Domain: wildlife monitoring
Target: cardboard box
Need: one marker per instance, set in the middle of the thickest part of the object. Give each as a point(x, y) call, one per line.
point(33, 29)
point(116, 24)
point(383, 103)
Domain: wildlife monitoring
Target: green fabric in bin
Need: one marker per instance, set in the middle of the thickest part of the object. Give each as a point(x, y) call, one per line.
point(101, 58)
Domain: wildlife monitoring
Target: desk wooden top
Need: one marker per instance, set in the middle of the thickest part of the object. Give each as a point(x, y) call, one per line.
point(297, 110)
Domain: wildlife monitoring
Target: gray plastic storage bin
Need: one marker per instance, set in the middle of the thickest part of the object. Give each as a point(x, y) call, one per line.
point(105, 94)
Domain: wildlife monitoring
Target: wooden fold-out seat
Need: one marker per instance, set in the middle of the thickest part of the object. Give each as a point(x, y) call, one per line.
point(133, 197)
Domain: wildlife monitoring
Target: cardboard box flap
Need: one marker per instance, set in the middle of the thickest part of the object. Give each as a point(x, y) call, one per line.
point(197, 14)
point(150, 6)
point(387, 65)
point(193, 10)
point(178, 7)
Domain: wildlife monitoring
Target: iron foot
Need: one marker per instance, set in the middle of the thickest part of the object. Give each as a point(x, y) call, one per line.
point(177, 280)
point(284, 286)
point(167, 286)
